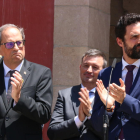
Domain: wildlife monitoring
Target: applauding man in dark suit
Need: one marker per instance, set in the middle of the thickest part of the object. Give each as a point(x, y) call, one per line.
point(25, 89)
point(124, 95)
point(69, 119)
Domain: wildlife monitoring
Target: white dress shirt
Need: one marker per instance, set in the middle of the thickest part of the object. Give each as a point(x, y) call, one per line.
point(91, 97)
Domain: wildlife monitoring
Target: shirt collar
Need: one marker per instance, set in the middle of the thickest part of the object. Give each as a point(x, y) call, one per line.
point(6, 69)
point(124, 63)
point(92, 90)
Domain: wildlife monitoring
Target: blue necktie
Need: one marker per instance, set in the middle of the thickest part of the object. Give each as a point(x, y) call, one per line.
point(91, 93)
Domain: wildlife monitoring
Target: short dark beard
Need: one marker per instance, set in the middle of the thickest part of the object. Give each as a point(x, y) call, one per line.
point(132, 52)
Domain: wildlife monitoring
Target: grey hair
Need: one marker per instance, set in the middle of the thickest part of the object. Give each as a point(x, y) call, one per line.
point(94, 53)
point(3, 27)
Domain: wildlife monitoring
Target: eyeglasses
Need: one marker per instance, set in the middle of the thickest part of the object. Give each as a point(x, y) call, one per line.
point(10, 45)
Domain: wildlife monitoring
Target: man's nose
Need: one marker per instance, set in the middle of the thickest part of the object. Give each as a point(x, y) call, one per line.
point(16, 46)
point(90, 69)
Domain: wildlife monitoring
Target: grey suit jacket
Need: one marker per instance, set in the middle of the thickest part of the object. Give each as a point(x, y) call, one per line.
point(62, 125)
point(24, 120)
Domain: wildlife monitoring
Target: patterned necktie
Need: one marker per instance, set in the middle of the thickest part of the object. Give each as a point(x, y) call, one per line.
point(128, 84)
point(9, 86)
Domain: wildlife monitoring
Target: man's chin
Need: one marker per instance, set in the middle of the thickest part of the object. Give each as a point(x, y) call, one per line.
point(91, 80)
point(17, 57)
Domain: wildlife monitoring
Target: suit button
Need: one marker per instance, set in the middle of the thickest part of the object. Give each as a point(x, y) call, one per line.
point(6, 118)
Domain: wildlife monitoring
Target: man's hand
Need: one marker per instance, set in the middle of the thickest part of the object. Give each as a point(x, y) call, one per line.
point(84, 99)
point(81, 114)
point(103, 94)
point(118, 92)
point(16, 83)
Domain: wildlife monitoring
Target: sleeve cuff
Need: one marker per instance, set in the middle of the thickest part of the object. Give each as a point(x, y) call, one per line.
point(78, 122)
point(89, 117)
point(14, 103)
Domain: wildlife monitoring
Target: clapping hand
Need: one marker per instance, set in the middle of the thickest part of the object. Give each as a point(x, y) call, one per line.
point(16, 83)
point(85, 101)
point(118, 92)
point(102, 91)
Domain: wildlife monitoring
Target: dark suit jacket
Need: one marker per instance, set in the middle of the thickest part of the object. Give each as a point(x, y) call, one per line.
point(24, 120)
point(130, 118)
point(62, 125)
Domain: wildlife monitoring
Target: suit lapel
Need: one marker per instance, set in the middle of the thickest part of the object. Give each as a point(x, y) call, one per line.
point(136, 83)
point(116, 74)
point(2, 86)
point(25, 71)
point(74, 98)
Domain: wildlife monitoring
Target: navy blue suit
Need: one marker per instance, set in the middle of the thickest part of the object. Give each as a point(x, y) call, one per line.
point(126, 115)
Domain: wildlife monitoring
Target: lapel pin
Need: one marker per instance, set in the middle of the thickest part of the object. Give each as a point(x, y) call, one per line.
point(25, 72)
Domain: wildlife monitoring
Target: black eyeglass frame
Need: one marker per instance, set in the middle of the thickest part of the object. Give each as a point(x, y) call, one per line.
point(14, 43)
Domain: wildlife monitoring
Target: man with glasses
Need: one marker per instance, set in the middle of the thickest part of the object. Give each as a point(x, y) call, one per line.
point(25, 89)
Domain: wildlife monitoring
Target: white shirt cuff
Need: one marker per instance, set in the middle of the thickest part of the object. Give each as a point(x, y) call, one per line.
point(14, 103)
point(77, 122)
point(89, 117)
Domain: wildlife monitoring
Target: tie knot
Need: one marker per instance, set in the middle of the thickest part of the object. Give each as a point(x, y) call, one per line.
point(11, 73)
point(91, 93)
point(130, 67)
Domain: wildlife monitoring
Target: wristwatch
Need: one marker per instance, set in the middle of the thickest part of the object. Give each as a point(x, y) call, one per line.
point(111, 109)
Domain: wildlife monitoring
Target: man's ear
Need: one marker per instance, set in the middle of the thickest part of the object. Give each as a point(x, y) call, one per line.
point(119, 42)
